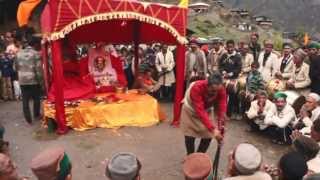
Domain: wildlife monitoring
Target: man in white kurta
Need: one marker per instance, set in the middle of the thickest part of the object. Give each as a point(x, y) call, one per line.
point(165, 65)
point(284, 65)
point(279, 120)
point(299, 80)
point(312, 105)
point(258, 110)
point(196, 63)
point(268, 61)
point(247, 60)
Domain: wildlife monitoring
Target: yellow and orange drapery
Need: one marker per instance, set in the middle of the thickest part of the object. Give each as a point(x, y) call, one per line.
point(132, 109)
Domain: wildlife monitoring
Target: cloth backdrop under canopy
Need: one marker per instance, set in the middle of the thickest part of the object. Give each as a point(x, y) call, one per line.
point(113, 21)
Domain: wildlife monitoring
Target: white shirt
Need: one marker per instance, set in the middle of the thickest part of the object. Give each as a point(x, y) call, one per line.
point(280, 119)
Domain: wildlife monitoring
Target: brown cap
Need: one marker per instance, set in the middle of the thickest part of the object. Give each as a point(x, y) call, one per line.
point(300, 54)
point(197, 166)
point(45, 165)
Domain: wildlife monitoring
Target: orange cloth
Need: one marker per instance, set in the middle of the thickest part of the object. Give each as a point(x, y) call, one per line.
point(147, 81)
point(132, 109)
point(24, 11)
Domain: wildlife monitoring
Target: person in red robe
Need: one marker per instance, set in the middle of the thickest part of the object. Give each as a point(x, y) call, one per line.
point(196, 121)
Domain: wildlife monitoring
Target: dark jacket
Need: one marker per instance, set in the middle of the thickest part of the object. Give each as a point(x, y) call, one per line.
point(231, 63)
point(6, 67)
point(314, 74)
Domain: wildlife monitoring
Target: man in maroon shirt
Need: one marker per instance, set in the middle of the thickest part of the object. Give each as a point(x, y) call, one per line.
point(195, 119)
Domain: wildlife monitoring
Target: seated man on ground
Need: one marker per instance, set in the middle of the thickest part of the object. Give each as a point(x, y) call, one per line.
point(299, 79)
point(309, 148)
point(303, 121)
point(254, 83)
point(279, 120)
point(197, 166)
point(146, 83)
point(52, 164)
point(312, 105)
point(314, 164)
point(258, 110)
point(292, 166)
point(245, 163)
point(123, 166)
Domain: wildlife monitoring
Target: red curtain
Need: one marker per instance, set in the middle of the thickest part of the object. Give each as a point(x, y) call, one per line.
point(58, 79)
point(180, 66)
point(44, 53)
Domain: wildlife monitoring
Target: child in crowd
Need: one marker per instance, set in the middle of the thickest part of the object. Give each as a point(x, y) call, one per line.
point(7, 72)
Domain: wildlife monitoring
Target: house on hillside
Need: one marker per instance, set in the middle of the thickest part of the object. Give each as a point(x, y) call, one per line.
point(263, 21)
point(243, 26)
point(289, 35)
point(218, 3)
point(240, 12)
point(199, 7)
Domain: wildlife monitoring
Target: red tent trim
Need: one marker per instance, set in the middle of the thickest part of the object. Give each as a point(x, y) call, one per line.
point(114, 16)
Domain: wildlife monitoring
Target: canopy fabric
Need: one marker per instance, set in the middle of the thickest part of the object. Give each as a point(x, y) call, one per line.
point(24, 11)
point(113, 21)
point(68, 15)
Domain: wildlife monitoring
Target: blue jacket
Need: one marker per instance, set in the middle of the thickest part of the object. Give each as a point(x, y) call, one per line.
point(6, 67)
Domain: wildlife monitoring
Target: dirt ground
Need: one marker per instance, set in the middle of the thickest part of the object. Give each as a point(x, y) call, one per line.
point(160, 148)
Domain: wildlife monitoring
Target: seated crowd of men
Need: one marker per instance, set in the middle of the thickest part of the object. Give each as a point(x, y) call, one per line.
point(263, 86)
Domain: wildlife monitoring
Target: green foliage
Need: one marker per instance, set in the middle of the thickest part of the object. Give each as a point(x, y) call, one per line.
point(277, 41)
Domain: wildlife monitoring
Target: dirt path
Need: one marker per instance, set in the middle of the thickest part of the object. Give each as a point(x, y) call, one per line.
point(160, 148)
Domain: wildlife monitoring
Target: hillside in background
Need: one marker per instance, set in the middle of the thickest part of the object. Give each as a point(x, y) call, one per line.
point(288, 15)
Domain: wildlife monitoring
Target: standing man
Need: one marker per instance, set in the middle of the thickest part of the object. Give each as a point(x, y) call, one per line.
point(214, 55)
point(195, 119)
point(29, 68)
point(247, 59)
point(230, 66)
point(165, 65)
point(285, 63)
point(267, 61)
point(314, 68)
point(196, 63)
point(254, 46)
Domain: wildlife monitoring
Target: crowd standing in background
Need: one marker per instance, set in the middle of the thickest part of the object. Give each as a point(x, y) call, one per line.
point(276, 93)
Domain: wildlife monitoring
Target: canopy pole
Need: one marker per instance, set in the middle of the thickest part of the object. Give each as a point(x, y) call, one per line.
point(136, 39)
point(58, 86)
point(44, 51)
point(180, 67)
